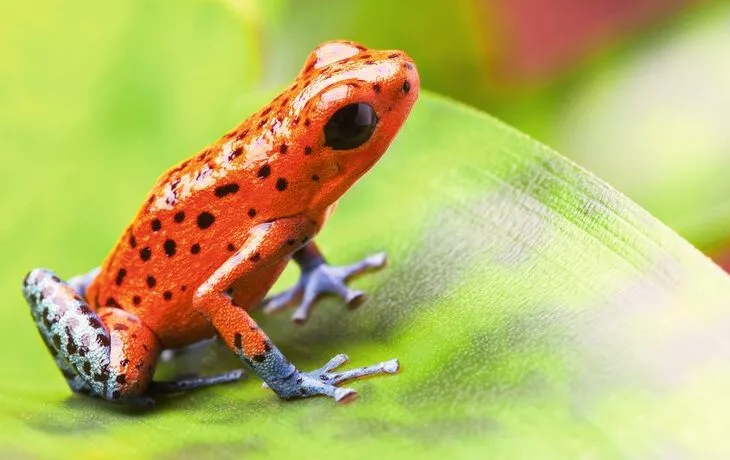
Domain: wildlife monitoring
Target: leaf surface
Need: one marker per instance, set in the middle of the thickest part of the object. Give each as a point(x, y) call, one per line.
point(535, 310)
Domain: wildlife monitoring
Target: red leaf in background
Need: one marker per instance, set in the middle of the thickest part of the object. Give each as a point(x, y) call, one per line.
point(542, 37)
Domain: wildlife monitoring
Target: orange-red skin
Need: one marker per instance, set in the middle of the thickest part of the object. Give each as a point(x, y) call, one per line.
point(156, 280)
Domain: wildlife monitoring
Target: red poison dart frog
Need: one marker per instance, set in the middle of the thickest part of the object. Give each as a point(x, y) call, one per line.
point(218, 229)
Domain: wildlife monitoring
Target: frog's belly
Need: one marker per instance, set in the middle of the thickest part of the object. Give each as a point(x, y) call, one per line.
point(162, 296)
point(177, 326)
point(182, 325)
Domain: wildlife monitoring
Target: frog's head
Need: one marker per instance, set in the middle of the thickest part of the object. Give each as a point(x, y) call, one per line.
point(350, 102)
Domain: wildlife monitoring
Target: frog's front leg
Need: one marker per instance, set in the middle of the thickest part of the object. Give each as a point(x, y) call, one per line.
point(251, 271)
point(318, 278)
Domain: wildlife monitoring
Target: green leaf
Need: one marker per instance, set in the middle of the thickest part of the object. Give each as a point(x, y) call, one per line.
point(537, 312)
point(653, 123)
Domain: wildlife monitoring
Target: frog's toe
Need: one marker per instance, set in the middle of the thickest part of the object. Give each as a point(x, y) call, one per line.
point(283, 299)
point(336, 286)
point(370, 263)
point(326, 373)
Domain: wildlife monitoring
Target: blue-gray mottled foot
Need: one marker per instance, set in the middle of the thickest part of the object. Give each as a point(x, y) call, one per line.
point(324, 381)
point(318, 279)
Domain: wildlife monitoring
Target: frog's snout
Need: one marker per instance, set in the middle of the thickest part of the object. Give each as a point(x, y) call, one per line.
point(400, 80)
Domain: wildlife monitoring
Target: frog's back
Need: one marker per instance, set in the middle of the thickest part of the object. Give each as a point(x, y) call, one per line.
point(195, 217)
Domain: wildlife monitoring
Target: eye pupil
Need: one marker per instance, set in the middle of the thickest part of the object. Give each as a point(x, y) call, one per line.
point(350, 127)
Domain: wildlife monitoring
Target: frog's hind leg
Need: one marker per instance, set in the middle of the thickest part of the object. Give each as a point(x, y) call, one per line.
point(196, 349)
point(180, 385)
point(109, 354)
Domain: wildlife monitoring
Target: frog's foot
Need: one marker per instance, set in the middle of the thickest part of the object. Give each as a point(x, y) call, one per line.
point(79, 283)
point(180, 385)
point(324, 279)
point(324, 380)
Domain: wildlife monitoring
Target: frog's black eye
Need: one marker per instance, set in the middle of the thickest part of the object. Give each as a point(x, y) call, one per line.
point(350, 127)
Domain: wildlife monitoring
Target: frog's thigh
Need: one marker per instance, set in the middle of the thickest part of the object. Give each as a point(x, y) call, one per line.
point(133, 352)
point(109, 353)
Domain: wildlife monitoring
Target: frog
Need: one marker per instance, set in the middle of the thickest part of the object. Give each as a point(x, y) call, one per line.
point(217, 230)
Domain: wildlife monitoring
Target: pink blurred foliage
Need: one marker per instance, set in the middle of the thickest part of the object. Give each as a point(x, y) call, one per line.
point(542, 37)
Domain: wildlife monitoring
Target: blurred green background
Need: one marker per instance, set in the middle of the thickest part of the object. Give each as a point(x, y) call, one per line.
point(638, 92)
point(97, 99)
